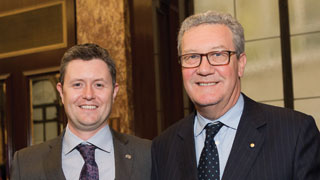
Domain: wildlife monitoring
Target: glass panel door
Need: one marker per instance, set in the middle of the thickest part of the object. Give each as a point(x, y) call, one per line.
point(46, 108)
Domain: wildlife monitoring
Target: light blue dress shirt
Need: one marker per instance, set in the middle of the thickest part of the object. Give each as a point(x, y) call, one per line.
point(224, 138)
point(72, 161)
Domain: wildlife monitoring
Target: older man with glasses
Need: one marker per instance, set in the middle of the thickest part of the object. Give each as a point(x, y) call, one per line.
point(230, 136)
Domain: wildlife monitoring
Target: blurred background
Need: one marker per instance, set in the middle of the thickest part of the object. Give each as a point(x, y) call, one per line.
point(282, 47)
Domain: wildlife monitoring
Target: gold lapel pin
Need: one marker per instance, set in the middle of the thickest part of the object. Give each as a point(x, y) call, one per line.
point(128, 156)
point(252, 145)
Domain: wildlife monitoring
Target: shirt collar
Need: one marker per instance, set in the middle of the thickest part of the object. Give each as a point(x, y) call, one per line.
point(102, 139)
point(230, 119)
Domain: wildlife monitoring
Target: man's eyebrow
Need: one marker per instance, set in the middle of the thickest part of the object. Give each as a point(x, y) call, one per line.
point(79, 79)
point(100, 79)
point(215, 48)
point(219, 47)
point(75, 79)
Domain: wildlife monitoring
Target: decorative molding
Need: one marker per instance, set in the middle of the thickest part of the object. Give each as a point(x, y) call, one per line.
point(41, 71)
point(4, 76)
point(36, 48)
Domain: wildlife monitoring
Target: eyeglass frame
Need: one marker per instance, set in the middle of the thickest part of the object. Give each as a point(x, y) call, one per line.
point(230, 53)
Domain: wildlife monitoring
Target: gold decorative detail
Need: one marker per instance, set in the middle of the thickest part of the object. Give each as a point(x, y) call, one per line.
point(128, 156)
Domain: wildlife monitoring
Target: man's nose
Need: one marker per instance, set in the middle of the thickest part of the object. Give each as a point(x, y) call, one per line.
point(205, 67)
point(88, 93)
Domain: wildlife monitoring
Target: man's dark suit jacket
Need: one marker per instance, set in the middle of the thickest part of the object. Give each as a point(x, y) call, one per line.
point(43, 161)
point(286, 147)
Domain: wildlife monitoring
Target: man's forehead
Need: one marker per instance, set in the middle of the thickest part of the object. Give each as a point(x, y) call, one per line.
point(81, 62)
point(207, 25)
point(207, 37)
point(83, 67)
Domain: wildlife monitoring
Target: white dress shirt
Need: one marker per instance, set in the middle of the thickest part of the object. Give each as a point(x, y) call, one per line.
point(224, 138)
point(72, 161)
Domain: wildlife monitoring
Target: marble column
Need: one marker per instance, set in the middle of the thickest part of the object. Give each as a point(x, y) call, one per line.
point(106, 22)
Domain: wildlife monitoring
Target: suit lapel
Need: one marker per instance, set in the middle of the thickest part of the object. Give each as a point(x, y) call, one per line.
point(53, 163)
point(186, 155)
point(123, 156)
point(248, 142)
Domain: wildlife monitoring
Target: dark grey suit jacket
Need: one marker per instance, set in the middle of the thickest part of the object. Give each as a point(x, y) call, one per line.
point(43, 161)
point(287, 147)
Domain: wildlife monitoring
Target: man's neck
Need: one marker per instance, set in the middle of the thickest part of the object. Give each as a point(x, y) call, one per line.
point(215, 111)
point(85, 135)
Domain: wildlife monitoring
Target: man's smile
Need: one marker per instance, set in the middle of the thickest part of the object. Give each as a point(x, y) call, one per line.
point(206, 83)
point(88, 107)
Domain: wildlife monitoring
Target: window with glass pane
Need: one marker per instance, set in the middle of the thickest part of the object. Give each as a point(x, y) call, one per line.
point(262, 79)
point(46, 116)
point(217, 5)
point(305, 45)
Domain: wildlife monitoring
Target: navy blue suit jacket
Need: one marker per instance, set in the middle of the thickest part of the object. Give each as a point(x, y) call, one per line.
point(287, 147)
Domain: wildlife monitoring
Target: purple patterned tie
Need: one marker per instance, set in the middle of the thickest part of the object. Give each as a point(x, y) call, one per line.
point(90, 169)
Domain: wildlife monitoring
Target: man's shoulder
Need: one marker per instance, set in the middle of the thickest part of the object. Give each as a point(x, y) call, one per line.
point(38, 150)
point(132, 140)
point(275, 114)
point(282, 111)
point(183, 125)
point(137, 140)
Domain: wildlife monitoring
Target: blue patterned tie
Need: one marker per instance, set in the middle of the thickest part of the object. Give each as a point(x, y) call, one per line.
point(208, 168)
point(90, 169)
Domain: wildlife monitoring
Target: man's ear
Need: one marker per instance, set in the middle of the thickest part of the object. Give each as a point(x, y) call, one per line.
point(115, 91)
point(242, 61)
point(59, 88)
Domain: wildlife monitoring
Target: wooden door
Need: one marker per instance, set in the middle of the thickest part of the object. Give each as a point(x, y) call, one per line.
point(34, 36)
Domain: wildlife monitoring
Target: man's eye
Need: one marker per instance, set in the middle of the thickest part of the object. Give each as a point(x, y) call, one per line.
point(193, 56)
point(99, 85)
point(217, 54)
point(76, 85)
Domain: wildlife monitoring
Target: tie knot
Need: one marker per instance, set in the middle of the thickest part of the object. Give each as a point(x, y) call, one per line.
point(86, 151)
point(213, 129)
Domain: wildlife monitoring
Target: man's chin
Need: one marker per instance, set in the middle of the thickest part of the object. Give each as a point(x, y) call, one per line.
point(90, 126)
point(206, 102)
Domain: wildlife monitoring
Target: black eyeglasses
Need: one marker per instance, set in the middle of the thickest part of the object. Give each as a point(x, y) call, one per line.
point(215, 58)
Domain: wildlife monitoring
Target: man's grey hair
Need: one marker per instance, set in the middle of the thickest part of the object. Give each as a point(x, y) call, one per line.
point(212, 17)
